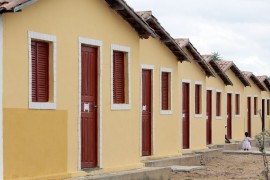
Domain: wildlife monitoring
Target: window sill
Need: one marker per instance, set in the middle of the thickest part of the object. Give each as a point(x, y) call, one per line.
point(120, 106)
point(166, 112)
point(256, 116)
point(36, 105)
point(219, 117)
point(198, 116)
point(237, 116)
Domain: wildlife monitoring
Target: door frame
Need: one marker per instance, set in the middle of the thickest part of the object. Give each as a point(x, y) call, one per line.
point(212, 99)
point(97, 44)
point(152, 68)
point(181, 115)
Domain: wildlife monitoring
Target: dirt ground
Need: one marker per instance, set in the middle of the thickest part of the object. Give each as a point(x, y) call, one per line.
point(227, 167)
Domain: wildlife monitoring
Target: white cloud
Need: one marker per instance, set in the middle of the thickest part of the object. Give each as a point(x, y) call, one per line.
point(238, 30)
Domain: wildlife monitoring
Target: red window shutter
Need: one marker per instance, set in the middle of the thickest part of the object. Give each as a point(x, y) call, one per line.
point(165, 90)
point(197, 99)
point(40, 71)
point(118, 77)
point(237, 104)
point(255, 106)
point(218, 104)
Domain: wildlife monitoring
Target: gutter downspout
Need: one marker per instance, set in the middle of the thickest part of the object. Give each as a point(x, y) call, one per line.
point(1, 100)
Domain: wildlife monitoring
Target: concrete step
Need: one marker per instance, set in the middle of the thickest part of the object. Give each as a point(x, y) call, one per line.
point(212, 146)
point(186, 168)
point(138, 174)
point(208, 154)
point(230, 146)
point(186, 160)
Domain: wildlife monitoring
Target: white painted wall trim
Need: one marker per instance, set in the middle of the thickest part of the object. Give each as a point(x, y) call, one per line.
point(186, 81)
point(98, 44)
point(237, 115)
point(1, 99)
point(166, 112)
point(219, 91)
point(152, 68)
point(201, 99)
point(126, 106)
point(50, 39)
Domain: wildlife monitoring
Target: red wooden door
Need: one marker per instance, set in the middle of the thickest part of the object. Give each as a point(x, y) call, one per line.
point(229, 116)
point(185, 115)
point(209, 117)
point(89, 107)
point(146, 113)
point(263, 115)
point(249, 115)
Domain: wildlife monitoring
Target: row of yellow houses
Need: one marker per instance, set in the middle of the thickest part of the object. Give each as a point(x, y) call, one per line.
point(94, 85)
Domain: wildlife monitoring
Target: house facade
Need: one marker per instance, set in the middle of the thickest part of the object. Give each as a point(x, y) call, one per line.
point(255, 104)
point(94, 85)
point(233, 96)
point(216, 86)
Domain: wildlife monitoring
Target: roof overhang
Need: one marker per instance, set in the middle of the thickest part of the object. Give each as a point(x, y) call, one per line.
point(197, 56)
point(164, 36)
point(209, 59)
point(127, 13)
point(264, 80)
point(14, 5)
point(226, 65)
point(256, 81)
point(239, 74)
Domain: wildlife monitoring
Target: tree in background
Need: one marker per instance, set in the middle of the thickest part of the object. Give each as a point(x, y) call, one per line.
point(216, 56)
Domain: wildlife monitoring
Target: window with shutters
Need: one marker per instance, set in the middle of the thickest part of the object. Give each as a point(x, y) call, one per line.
point(218, 104)
point(237, 104)
point(268, 107)
point(120, 73)
point(165, 91)
point(42, 80)
point(198, 99)
point(255, 106)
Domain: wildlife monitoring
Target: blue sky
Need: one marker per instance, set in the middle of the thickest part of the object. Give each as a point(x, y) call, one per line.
point(239, 30)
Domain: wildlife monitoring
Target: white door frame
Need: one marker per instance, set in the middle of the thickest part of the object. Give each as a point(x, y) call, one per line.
point(1, 100)
point(98, 44)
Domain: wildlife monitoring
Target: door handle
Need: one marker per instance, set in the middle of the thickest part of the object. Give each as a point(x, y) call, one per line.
point(183, 115)
point(95, 106)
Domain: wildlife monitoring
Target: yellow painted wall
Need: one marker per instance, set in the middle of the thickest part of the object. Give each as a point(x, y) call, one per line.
point(35, 142)
point(68, 20)
point(266, 95)
point(218, 123)
point(166, 127)
point(237, 121)
point(193, 72)
point(254, 91)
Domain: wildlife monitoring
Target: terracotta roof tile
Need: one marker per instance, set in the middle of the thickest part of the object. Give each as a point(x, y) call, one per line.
point(6, 5)
point(207, 58)
point(250, 75)
point(225, 65)
point(218, 70)
point(128, 14)
point(185, 43)
point(264, 80)
point(261, 78)
point(247, 74)
point(163, 35)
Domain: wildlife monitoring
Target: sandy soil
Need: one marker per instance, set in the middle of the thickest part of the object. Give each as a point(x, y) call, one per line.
point(227, 167)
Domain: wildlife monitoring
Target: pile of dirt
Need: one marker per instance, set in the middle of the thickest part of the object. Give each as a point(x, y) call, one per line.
point(227, 167)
